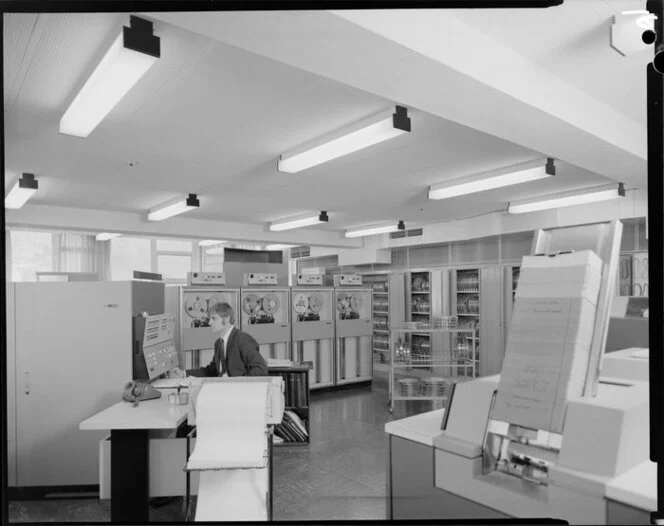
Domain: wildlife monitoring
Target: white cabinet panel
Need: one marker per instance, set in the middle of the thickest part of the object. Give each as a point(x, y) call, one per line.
point(73, 345)
point(11, 387)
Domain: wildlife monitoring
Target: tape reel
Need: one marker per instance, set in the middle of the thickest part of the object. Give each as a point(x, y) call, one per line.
point(196, 306)
point(300, 303)
point(355, 302)
point(270, 303)
point(251, 304)
point(342, 301)
point(316, 302)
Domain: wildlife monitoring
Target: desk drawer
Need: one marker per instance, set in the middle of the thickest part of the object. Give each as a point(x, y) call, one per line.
point(168, 457)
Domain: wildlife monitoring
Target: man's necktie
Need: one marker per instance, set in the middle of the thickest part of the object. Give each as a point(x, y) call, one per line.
point(222, 359)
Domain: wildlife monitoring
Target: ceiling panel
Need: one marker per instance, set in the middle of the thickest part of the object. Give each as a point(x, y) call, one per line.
point(212, 119)
point(566, 39)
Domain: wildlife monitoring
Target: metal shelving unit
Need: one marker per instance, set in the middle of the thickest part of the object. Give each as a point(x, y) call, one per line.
point(381, 301)
point(403, 359)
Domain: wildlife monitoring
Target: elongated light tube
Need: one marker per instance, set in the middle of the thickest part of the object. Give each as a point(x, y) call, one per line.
point(521, 173)
point(278, 226)
point(105, 236)
point(371, 231)
point(22, 190)
point(594, 195)
point(179, 207)
point(127, 60)
point(278, 246)
point(209, 242)
point(372, 131)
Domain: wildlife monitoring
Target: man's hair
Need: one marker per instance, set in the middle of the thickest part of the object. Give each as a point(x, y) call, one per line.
point(223, 310)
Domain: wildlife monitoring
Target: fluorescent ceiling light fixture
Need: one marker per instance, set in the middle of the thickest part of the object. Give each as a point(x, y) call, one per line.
point(592, 195)
point(278, 246)
point(209, 242)
point(179, 207)
point(376, 129)
point(215, 251)
point(520, 173)
point(22, 190)
point(278, 226)
point(105, 236)
point(128, 59)
point(370, 231)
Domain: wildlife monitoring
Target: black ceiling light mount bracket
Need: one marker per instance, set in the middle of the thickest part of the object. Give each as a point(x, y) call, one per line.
point(401, 225)
point(28, 181)
point(140, 37)
point(192, 200)
point(550, 168)
point(322, 217)
point(400, 119)
point(621, 189)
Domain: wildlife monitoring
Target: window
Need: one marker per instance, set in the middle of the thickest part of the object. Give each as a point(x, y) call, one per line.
point(173, 245)
point(173, 268)
point(129, 254)
point(31, 252)
point(173, 259)
point(213, 258)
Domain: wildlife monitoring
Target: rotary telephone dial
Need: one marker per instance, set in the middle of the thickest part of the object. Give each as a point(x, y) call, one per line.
point(135, 392)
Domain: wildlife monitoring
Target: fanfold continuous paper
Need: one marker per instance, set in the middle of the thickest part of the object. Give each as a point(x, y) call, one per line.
point(231, 426)
point(549, 341)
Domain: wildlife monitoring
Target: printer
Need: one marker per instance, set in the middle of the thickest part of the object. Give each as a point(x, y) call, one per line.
point(566, 476)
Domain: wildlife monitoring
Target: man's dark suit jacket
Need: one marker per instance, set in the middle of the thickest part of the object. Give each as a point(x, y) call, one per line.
point(242, 358)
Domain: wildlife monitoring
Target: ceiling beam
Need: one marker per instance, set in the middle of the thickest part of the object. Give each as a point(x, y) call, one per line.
point(89, 220)
point(430, 60)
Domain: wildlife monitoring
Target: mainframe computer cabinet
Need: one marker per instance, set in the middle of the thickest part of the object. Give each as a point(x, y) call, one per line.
point(70, 353)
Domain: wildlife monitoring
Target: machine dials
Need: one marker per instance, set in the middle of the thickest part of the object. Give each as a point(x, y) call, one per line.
point(197, 305)
point(251, 304)
point(260, 309)
point(300, 303)
point(270, 303)
point(308, 307)
point(348, 306)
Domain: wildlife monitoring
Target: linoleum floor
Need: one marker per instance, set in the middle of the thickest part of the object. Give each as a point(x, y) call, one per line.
point(340, 475)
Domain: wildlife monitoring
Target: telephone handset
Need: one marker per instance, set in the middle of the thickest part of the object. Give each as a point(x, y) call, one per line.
point(138, 391)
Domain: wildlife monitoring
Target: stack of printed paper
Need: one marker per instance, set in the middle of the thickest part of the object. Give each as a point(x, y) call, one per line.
point(230, 426)
point(550, 337)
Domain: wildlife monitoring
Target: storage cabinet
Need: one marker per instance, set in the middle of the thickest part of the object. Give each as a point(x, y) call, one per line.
point(73, 354)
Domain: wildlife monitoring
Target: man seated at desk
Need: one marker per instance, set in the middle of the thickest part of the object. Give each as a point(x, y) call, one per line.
point(236, 353)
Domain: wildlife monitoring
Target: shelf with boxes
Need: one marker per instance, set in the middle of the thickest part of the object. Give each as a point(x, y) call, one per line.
point(294, 428)
point(411, 357)
point(418, 307)
point(379, 283)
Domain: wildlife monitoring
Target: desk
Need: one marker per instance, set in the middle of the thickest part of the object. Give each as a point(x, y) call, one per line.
point(130, 461)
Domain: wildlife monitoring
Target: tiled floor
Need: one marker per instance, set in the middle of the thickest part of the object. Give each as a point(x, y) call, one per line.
point(341, 475)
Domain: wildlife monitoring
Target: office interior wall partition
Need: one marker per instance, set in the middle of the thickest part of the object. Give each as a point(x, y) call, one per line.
point(73, 355)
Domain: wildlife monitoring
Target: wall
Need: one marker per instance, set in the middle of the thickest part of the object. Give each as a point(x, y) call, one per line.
point(499, 249)
point(503, 249)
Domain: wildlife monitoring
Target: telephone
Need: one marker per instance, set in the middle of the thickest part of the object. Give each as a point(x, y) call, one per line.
point(138, 391)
